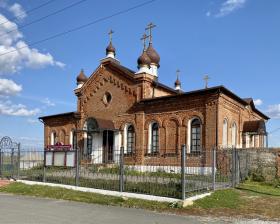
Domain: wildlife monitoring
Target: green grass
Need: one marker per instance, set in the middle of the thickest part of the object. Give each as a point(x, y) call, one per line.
point(260, 188)
point(242, 202)
point(228, 198)
point(65, 194)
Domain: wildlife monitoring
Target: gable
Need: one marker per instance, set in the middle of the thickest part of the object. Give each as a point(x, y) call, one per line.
point(107, 92)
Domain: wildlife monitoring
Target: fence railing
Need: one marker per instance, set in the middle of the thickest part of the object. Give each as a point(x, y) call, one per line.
point(176, 174)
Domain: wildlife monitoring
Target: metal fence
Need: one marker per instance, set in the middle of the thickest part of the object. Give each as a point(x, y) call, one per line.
point(169, 173)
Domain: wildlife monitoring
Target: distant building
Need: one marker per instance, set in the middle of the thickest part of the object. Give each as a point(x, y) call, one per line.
point(120, 107)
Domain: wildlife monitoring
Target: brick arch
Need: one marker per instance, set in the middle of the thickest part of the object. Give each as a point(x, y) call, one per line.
point(121, 127)
point(191, 116)
point(62, 133)
point(177, 119)
point(147, 122)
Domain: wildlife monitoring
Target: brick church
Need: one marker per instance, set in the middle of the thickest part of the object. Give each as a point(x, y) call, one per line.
point(117, 106)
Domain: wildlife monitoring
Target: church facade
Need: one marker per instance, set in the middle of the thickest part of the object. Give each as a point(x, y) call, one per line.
point(120, 107)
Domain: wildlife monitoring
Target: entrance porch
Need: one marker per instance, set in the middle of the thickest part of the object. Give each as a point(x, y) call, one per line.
point(98, 142)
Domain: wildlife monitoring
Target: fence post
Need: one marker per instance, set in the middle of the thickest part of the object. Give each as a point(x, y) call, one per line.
point(121, 176)
point(183, 176)
point(44, 167)
point(77, 167)
point(18, 162)
point(237, 167)
point(214, 168)
point(12, 162)
point(233, 169)
point(1, 163)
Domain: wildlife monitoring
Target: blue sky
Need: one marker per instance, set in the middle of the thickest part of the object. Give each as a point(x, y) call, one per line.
point(236, 42)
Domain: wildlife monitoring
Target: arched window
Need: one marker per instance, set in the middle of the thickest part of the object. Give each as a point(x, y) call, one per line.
point(233, 134)
point(195, 135)
point(154, 138)
point(53, 138)
point(130, 139)
point(225, 133)
point(62, 137)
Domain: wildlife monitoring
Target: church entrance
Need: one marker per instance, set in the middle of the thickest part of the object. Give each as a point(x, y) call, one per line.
point(108, 146)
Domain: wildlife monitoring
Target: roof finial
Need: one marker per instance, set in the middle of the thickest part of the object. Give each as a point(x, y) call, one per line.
point(177, 83)
point(144, 37)
point(111, 35)
point(149, 27)
point(177, 73)
point(206, 79)
point(110, 50)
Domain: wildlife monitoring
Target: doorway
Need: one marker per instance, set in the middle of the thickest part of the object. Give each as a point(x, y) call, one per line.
point(108, 144)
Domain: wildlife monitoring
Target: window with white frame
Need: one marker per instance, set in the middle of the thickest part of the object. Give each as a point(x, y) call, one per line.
point(195, 144)
point(53, 138)
point(225, 133)
point(154, 137)
point(130, 139)
point(234, 134)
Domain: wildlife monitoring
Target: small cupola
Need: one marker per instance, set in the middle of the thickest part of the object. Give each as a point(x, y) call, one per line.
point(153, 55)
point(110, 50)
point(177, 84)
point(81, 79)
point(144, 61)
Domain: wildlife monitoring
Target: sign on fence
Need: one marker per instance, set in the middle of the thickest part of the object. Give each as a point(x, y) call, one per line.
point(60, 155)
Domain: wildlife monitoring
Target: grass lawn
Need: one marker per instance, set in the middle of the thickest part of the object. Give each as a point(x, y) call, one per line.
point(250, 199)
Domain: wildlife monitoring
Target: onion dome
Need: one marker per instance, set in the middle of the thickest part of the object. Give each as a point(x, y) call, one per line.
point(81, 78)
point(177, 82)
point(144, 59)
point(153, 55)
point(110, 49)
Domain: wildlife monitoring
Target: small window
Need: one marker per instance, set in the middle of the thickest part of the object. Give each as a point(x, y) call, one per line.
point(233, 134)
point(130, 139)
point(53, 138)
point(225, 133)
point(89, 144)
point(196, 135)
point(154, 138)
point(107, 98)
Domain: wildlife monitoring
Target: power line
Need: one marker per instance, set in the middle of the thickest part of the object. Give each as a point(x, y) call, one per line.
point(82, 26)
point(44, 17)
point(28, 11)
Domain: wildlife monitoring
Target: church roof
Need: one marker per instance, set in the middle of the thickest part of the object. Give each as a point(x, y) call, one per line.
point(131, 74)
point(67, 114)
point(212, 90)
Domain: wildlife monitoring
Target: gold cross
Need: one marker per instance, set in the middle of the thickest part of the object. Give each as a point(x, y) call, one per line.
point(149, 27)
point(144, 37)
point(206, 79)
point(110, 34)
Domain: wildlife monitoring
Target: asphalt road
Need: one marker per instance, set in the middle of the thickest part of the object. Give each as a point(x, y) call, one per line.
point(21, 209)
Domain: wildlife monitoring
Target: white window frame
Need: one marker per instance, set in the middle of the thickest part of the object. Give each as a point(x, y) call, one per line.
point(150, 136)
point(189, 134)
point(225, 133)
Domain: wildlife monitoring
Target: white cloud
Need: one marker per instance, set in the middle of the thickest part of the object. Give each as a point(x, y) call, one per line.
point(17, 11)
point(9, 87)
point(8, 108)
point(230, 6)
point(47, 102)
point(258, 102)
point(15, 54)
point(208, 13)
point(273, 111)
point(32, 121)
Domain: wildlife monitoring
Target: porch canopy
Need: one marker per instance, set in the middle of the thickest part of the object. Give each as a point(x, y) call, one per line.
point(255, 127)
point(97, 125)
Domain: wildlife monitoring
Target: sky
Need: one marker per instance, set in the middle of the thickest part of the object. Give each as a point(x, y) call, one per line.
point(235, 42)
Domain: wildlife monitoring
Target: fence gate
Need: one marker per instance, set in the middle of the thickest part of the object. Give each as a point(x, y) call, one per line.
point(9, 154)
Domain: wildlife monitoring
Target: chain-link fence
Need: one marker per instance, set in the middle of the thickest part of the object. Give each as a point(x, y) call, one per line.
point(176, 173)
